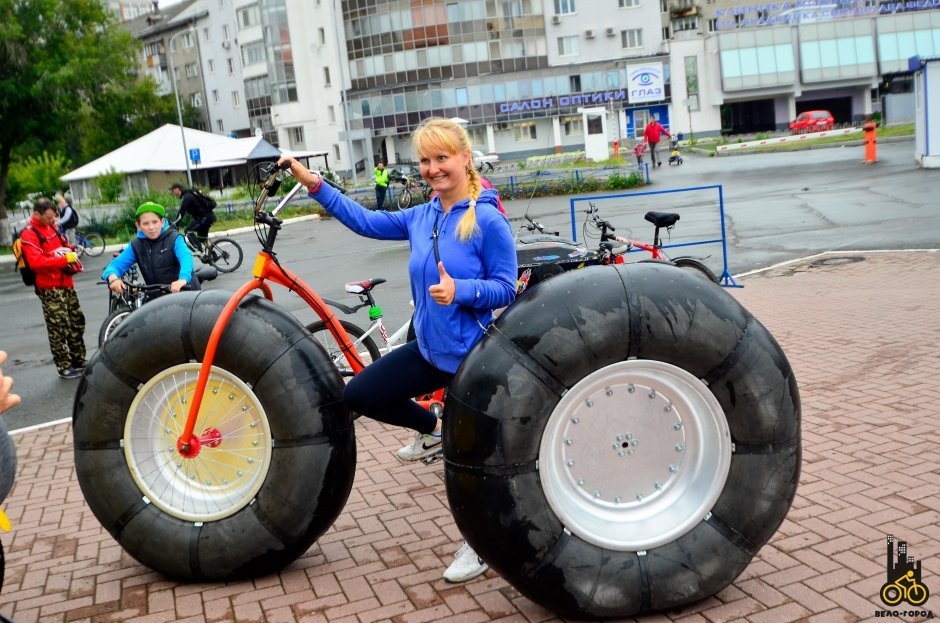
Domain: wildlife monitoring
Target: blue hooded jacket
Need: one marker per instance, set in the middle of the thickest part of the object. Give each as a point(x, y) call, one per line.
point(119, 265)
point(483, 268)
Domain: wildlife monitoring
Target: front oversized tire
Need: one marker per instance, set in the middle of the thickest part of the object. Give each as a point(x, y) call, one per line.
point(278, 456)
point(623, 441)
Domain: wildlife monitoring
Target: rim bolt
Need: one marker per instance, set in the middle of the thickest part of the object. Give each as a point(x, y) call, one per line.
point(609, 391)
point(614, 446)
point(678, 447)
point(631, 388)
point(589, 402)
point(659, 485)
point(570, 462)
point(597, 494)
point(629, 435)
point(183, 400)
point(568, 441)
point(635, 443)
point(639, 497)
point(244, 407)
point(677, 426)
point(631, 451)
point(620, 454)
point(667, 408)
point(575, 419)
point(652, 394)
point(215, 391)
point(240, 473)
point(253, 425)
point(617, 500)
point(231, 396)
point(619, 437)
point(673, 469)
point(580, 482)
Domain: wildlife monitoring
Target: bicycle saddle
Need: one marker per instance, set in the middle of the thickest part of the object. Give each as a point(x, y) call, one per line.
point(662, 219)
point(361, 287)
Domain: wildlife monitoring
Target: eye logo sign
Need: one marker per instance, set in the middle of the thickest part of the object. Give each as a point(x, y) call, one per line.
point(646, 82)
point(903, 578)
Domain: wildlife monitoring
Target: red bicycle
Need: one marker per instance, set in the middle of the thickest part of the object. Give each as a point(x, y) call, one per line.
point(615, 254)
point(214, 404)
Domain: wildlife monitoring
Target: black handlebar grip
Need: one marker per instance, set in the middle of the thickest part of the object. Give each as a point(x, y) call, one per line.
point(283, 166)
point(338, 187)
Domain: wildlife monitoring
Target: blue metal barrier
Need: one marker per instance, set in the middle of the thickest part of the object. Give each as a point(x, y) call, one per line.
point(725, 278)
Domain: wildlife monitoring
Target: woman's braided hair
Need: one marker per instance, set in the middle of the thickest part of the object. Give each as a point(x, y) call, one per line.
point(439, 134)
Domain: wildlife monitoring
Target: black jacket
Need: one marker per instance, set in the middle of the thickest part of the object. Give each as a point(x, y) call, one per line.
point(191, 204)
point(157, 260)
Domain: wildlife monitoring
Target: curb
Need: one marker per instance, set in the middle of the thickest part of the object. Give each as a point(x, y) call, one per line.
point(772, 149)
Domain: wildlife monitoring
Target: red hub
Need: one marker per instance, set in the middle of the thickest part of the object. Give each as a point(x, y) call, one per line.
point(211, 437)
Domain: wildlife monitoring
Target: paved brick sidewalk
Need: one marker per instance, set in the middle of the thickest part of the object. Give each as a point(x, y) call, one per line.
point(863, 338)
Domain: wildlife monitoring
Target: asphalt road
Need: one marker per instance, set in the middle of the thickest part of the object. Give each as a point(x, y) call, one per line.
point(777, 207)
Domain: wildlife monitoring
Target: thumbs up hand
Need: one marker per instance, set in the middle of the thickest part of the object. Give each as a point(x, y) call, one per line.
point(443, 293)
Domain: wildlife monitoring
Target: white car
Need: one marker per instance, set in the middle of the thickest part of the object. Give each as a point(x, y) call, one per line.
point(481, 160)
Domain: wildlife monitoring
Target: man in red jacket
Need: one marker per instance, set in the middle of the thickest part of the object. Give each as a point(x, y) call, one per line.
point(54, 262)
point(652, 135)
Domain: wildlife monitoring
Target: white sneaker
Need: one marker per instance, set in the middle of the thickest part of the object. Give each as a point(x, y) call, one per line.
point(466, 566)
point(422, 446)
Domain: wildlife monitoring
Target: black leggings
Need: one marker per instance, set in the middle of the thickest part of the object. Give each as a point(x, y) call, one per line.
point(384, 390)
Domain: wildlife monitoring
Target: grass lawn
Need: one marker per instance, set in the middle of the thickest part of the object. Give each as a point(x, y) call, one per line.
point(905, 129)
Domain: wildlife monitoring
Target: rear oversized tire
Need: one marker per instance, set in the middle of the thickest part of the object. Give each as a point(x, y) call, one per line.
point(624, 440)
point(277, 457)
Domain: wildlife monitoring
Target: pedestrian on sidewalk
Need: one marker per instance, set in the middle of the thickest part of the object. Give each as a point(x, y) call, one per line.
point(652, 135)
point(381, 185)
point(49, 254)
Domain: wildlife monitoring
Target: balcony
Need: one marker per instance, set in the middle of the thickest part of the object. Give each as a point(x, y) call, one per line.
point(156, 60)
point(683, 8)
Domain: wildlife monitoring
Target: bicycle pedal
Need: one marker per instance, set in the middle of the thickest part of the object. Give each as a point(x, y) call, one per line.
point(433, 458)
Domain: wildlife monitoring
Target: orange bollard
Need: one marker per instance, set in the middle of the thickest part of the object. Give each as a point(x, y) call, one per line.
point(616, 149)
point(871, 143)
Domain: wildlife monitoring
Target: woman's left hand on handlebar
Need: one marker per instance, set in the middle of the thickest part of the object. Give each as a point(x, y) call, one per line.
point(117, 286)
point(177, 285)
point(299, 171)
point(443, 293)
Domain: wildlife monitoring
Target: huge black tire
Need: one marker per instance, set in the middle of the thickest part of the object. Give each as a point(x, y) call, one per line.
point(624, 440)
point(696, 268)
point(278, 453)
point(367, 349)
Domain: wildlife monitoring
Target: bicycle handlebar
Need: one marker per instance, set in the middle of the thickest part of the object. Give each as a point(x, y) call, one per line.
point(143, 287)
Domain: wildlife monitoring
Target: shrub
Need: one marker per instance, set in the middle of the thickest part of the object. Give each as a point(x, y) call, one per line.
point(110, 185)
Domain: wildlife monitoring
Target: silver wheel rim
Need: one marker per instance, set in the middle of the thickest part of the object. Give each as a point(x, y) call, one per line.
point(219, 481)
point(114, 322)
point(635, 455)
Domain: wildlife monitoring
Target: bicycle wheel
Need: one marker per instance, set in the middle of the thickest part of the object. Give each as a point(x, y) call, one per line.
point(667, 453)
point(695, 267)
point(365, 346)
point(276, 445)
point(95, 246)
point(225, 255)
point(404, 199)
point(111, 323)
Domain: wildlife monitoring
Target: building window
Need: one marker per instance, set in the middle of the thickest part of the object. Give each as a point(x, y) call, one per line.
point(235, 99)
point(253, 53)
point(573, 126)
point(192, 70)
point(220, 125)
point(524, 131)
point(215, 96)
point(626, 4)
point(321, 35)
point(632, 38)
point(248, 16)
point(685, 23)
point(336, 152)
point(574, 84)
point(225, 36)
point(326, 76)
point(331, 113)
point(195, 100)
point(568, 46)
point(205, 34)
point(663, 6)
point(211, 66)
point(564, 7)
point(713, 24)
point(296, 137)
point(691, 82)
point(231, 66)
point(185, 40)
point(666, 33)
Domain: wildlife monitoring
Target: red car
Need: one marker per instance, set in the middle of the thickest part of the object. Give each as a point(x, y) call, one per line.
point(812, 121)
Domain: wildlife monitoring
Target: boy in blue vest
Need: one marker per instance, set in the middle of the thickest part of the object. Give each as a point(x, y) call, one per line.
point(158, 250)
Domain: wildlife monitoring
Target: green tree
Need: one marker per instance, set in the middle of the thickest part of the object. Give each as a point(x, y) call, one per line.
point(56, 56)
point(110, 185)
point(37, 174)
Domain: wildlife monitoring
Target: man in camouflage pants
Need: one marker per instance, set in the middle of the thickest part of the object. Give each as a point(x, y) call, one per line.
point(54, 261)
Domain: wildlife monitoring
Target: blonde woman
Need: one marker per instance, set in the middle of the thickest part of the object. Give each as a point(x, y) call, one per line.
point(462, 268)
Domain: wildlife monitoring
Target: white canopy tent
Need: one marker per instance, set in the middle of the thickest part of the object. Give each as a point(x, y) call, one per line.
point(158, 159)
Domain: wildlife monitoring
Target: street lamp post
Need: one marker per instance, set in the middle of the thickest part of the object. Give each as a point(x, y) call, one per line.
point(179, 110)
